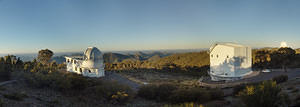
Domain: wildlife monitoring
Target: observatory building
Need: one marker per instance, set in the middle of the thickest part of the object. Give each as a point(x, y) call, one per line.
point(90, 65)
point(229, 61)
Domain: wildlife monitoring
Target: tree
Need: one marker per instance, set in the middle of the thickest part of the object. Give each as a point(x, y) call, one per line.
point(262, 59)
point(44, 56)
point(283, 57)
point(266, 94)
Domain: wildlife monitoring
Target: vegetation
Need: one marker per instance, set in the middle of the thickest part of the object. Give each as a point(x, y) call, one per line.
point(44, 56)
point(15, 96)
point(280, 79)
point(8, 64)
point(172, 94)
point(193, 64)
point(241, 87)
point(275, 58)
point(266, 94)
point(1, 103)
point(284, 57)
point(157, 92)
point(191, 104)
point(297, 101)
point(183, 61)
point(113, 92)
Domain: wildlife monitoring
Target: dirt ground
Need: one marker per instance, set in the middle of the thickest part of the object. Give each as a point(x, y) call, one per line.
point(160, 77)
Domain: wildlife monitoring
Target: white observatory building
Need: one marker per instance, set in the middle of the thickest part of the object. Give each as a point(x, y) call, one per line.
point(90, 65)
point(229, 61)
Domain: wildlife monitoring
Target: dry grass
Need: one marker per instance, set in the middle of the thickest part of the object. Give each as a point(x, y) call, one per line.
point(159, 77)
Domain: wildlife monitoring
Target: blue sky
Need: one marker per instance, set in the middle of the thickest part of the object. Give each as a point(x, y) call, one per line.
point(27, 26)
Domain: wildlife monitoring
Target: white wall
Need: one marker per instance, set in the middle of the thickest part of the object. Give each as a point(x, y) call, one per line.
point(231, 61)
point(94, 72)
point(219, 62)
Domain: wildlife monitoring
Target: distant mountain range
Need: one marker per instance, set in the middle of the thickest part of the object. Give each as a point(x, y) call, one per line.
point(113, 56)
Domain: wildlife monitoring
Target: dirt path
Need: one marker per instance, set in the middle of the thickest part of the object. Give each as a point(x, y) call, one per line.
point(7, 82)
point(117, 77)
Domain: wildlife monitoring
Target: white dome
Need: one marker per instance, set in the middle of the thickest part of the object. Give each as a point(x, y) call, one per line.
point(93, 58)
point(283, 44)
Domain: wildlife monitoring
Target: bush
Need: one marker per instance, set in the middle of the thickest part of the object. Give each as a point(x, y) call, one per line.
point(216, 94)
point(190, 104)
point(157, 92)
point(1, 103)
point(266, 94)
point(171, 93)
point(4, 73)
point(297, 101)
point(57, 80)
point(198, 95)
point(2, 88)
point(280, 79)
point(295, 90)
point(148, 92)
point(113, 92)
point(16, 96)
point(241, 87)
point(238, 88)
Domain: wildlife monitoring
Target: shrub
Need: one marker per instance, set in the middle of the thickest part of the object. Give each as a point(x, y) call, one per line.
point(4, 73)
point(113, 92)
point(16, 96)
point(280, 79)
point(216, 94)
point(190, 104)
point(53, 103)
point(157, 92)
point(295, 90)
point(198, 95)
point(241, 87)
point(148, 92)
point(266, 94)
point(297, 101)
point(238, 88)
point(1, 103)
point(164, 91)
point(120, 97)
point(57, 80)
point(2, 88)
point(171, 93)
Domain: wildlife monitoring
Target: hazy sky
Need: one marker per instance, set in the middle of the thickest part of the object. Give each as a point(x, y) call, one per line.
point(72, 25)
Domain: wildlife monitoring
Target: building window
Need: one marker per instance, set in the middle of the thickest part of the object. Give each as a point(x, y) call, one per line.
point(212, 55)
point(227, 56)
point(217, 56)
point(89, 71)
point(80, 70)
point(75, 68)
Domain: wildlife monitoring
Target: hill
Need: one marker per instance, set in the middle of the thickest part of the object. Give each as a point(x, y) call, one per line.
point(179, 60)
point(115, 57)
point(298, 51)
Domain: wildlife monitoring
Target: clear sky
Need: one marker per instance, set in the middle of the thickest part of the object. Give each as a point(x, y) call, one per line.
point(27, 26)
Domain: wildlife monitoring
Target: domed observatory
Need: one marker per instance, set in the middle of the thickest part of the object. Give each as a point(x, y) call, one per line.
point(229, 61)
point(90, 65)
